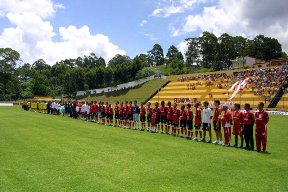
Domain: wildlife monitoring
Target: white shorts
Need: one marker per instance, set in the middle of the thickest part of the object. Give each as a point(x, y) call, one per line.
point(135, 117)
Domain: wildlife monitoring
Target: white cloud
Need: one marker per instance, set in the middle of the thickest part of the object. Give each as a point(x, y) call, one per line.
point(58, 6)
point(241, 17)
point(32, 34)
point(182, 47)
point(151, 36)
point(42, 8)
point(77, 42)
point(143, 22)
point(33, 27)
point(167, 8)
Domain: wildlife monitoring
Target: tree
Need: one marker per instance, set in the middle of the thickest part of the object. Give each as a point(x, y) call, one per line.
point(58, 72)
point(100, 71)
point(100, 62)
point(40, 65)
point(226, 52)
point(241, 46)
point(79, 62)
point(118, 60)
point(74, 81)
point(26, 89)
point(145, 72)
point(90, 78)
point(122, 73)
point(108, 76)
point(193, 51)
point(272, 49)
point(142, 58)
point(208, 49)
point(175, 60)
point(136, 66)
point(24, 72)
point(174, 54)
point(90, 61)
point(265, 48)
point(156, 56)
point(40, 85)
point(123, 67)
point(8, 61)
point(140, 61)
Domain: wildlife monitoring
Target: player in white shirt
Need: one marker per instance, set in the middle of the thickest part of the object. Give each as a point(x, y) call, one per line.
point(207, 116)
point(53, 107)
point(83, 110)
point(87, 112)
point(57, 107)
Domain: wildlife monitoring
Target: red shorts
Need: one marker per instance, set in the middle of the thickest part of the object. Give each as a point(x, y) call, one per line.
point(237, 130)
point(260, 129)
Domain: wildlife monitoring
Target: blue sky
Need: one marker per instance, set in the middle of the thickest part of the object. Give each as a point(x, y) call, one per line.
point(128, 24)
point(58, 29)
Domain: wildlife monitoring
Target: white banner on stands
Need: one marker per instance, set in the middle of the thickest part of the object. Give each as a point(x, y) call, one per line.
point(233, 86)
point(6, 104)
point(236, 90)
point(239, 85)
point(244, 83)
point(277, 113)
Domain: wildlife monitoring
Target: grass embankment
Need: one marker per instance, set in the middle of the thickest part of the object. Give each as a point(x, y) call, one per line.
point(139, 93)
point(41, 152)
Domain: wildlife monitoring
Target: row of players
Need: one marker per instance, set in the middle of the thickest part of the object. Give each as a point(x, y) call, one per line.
point(164, 118)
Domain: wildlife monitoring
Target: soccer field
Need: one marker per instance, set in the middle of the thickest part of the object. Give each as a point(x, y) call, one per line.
point(41, 152)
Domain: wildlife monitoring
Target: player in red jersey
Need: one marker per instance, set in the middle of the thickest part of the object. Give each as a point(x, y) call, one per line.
point(226, 123)
point(169, 117)
point(176, 116)
point(106, 113)
point(197, 121)
point(142, 116)
point(157, 111)
point(149, 116)
point(92, 110)
point(100, 111)
point(110, 115)
point(153, 121)
point(249, 120)
point(163, 116)
point(130, 115)
point(217, 123)
point(103, 112)
point(238, 119)
point(121, 108)
point(262, 119)
point(125, 115)
point(183, 121)
point(117, 115)
point(79, 106)
point(189, 121)
point(96, 111)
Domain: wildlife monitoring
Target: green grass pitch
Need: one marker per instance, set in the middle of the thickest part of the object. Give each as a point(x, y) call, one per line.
point(41, 152)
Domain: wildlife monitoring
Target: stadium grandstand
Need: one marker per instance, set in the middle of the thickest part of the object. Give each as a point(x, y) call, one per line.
point(246, 86)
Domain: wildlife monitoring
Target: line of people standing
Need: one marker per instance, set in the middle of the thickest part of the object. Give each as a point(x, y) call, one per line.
point(167, 119)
